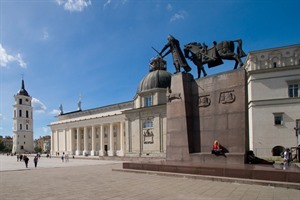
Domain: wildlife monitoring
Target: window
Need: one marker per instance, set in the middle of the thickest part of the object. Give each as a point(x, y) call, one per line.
point(148, 101)
point(148, 124)
point(20, 101)
point(27, 127)
point(278, 118)
point(20, 126)
point(293, 90)
point(20, 113)
point(27, 114)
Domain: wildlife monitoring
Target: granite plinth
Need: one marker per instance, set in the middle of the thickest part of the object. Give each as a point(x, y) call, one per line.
point(244, 171)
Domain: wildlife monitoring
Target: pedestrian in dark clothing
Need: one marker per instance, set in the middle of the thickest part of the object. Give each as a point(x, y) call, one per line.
point(26, 159)
point(35, 160)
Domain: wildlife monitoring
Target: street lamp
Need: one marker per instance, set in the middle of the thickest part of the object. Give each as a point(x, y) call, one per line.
point(297, 131)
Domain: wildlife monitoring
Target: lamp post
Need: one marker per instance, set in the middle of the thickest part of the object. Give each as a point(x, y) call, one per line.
point(297, 132)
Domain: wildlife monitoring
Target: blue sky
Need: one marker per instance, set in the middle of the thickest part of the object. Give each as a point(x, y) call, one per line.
point(100, 49)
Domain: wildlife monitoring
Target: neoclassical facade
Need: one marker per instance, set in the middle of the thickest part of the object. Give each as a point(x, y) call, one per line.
point(273, 99)
point(133, 129)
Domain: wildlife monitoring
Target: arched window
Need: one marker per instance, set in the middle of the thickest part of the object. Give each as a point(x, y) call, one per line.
point(277, 150)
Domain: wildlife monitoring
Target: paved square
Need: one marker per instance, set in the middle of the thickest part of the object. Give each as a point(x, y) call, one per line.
point(94, 179)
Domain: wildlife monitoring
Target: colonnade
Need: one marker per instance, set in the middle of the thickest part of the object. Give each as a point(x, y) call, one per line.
point(103, 140)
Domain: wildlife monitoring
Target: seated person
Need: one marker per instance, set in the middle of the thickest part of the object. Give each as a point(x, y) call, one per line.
point(252, 159)
point(218, 149)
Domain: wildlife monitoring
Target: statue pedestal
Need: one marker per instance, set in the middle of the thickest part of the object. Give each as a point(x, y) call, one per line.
point(179, 117)
point(204, 110)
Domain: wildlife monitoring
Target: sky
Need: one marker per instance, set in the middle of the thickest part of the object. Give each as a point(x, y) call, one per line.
point(99, 50)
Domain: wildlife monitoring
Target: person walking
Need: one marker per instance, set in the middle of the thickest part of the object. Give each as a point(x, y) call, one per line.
point(35, 160)
point(286, 158)
point(26, 159)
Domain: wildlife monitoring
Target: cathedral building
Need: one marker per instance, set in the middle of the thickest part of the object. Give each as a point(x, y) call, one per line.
point(134, 128)
point(22, 122)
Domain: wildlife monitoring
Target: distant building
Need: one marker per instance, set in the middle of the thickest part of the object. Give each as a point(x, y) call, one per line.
point(44, 143)
point(22, 122)
point(273, 99)
point(7, 141)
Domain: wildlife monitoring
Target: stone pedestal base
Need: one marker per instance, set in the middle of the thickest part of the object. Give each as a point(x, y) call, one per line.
point(120, 153)
point(110, 153)
point(93, 153)
point(86, 153)
point(102, 153)
point(78, 152)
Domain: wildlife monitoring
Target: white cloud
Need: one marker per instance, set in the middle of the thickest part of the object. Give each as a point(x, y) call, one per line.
point(45, 35)
point(55, 112)
point(178, 16)
point(74, 5)
point(6, 58)
point(106, 3)
point(116, 4)
point(169, 7)
point(38, 106)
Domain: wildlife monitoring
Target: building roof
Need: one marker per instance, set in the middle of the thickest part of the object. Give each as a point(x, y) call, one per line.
point(158, 77)
point(23, 91)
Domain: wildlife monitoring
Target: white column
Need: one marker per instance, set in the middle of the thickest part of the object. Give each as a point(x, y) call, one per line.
point(52, 143)
point(101, 151)
point(85, 141)
point(71, 141)
point(78, 151)
point(57, 141)
point(111, 140)
point(121, 151)
point(66, 139)
point(93, 152)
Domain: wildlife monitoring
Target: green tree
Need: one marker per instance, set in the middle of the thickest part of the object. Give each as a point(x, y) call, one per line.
point(2, 146)
point(38, 149)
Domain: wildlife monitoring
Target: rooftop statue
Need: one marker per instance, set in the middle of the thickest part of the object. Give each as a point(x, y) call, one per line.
point(61, 109)
point(212, 56)
point(177, 55)
point(157, 63)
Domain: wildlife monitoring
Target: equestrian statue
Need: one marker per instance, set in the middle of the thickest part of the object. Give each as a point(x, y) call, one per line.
point(214, 56)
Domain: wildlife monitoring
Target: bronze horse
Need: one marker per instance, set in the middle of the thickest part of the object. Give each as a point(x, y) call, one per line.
point(201, 55)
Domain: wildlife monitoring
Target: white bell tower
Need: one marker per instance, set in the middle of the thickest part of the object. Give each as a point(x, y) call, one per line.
point(23, 122)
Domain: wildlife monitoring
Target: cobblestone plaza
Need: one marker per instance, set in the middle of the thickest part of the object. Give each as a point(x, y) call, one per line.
point(95, 179)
